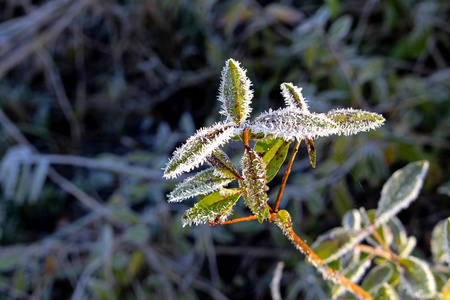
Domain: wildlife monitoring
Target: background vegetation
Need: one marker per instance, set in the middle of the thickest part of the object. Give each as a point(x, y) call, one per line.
point(95, 95)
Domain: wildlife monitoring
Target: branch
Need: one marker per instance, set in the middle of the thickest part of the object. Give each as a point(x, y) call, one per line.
point(286, 175)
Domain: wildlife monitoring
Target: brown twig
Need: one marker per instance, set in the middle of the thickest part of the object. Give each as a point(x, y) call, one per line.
point(243, 219)
point(286, 175)
point(377, 252)
point(327, 273)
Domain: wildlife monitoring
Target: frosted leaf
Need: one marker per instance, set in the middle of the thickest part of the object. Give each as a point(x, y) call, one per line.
point(293, 97)
point(408, 247)
point(438, 241)
point(204, 182)
point(222, 164)
point(377, 277)
point(387, 292)
point(447, 239)
point(254, 174)
point(337, 242)
point(288, 123)
point(352, 220)
point(235, 93)
point(354, 272)
point(417, 279)
point(215, 206)
point(400, 190)
point(352, 121)
point(197, 148)
point(398, 233)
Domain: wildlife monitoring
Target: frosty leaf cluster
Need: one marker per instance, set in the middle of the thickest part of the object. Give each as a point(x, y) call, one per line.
point(371, 247)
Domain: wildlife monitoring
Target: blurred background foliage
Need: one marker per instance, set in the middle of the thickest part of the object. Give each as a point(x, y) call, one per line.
point(95, 95)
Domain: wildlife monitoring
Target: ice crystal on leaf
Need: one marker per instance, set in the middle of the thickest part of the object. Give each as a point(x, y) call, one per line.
point(288, 123)
point(293, 97)
point(204, 182)
point(197, 148)
point(351, 121)
point(235, 93)
point(254, 174)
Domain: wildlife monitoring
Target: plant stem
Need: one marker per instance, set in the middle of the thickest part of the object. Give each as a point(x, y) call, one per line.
point(382, 243)
point(245, 138)
point(377, 252)
point(286, 175)
point(327, 273)
point(243, 219)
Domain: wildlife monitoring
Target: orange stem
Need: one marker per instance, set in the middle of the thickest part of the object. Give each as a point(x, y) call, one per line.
point(286, 175)
point(328, 273)
point(243, 219)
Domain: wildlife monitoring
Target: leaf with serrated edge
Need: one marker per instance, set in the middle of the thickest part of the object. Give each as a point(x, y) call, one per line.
point(275, 157)
point(289, 123)
point(204, 182)
point(417, 279)
point(197, 148)
point(400, 190)
point(311, 152)
point(223, 164)
point(354, 272)
point(351, 121)
point(377, 277)
point(235, 93)
point(293, 97)
point(387, 292)
point(218, 204)
point(254, 174)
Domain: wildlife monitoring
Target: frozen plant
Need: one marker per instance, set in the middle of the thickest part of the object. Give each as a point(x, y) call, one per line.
point(274, 131)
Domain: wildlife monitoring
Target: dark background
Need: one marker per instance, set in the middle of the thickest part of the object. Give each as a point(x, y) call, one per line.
point(103, 92)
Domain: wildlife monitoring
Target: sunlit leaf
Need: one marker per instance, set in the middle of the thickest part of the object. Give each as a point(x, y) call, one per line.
point(235, 93)
point(289, 123)
point(223, 164)
point(445, 293)
point(197, 148)
point(211, 207)
point(417, 279)
point(204, 182)
point(311, 152)
point(275, 157)
point(387, 292)
point(400, 190)
point(293, 97)
point(351, 121)
point(254, 174)
point(377, 277)
point(283, 220)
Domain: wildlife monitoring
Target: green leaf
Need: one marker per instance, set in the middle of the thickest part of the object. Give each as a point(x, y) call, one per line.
point(264, 144)
point(387, 292)
point(400, 238)
point(275, 157)
point(136, 262)
point(235, 93)
point(254, 174)
point(293, 97)
point(340, 28)
point(400, 190)
point(417, 279)
point(197, 148)
point(351, 121)
point(223, 164)
point(204, 182)
point(377, 277)
point(352, 220)
point(311, 152)
point(440, 244)
point(213, 206)
point(283, 220)
point(289, 123)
